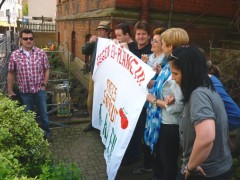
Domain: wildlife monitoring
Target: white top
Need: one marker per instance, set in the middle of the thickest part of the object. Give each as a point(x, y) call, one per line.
point(171, 114)
point(153, 60)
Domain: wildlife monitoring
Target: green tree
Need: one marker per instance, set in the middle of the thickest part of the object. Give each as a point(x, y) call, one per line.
point(25, 9)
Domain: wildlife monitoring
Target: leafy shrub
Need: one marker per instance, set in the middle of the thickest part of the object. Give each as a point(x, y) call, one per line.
point(236, 168)
point(24, 154)
point(21, 137)
point(60, 172)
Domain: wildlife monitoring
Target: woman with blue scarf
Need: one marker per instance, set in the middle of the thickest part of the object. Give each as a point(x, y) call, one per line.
point(163, 113)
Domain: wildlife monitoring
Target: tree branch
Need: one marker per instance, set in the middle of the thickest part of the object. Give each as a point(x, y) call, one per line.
point(2, 3)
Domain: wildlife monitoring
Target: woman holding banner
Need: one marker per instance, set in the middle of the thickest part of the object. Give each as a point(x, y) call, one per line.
point(163, 113)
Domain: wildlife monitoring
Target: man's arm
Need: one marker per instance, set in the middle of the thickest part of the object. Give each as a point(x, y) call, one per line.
point(88, 47)
point(46, 77)
point(10, 80)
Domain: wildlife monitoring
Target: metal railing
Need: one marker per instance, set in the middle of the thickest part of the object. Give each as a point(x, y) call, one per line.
point(39, 27)
point(4, 57)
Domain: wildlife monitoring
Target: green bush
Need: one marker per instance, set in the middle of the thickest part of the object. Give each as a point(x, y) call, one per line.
point(236, 168)
point(24, 154)
point(21, 136)
point(60, 171)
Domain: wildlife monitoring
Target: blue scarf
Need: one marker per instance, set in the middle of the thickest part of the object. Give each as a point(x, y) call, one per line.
point(154, 113)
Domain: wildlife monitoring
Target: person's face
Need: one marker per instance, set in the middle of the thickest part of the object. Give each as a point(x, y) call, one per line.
point(142, 37)
point(27, 41)
point(156, 44)
point(102, 33)
point(176, 73)
point(167, 49)
point(120, 36)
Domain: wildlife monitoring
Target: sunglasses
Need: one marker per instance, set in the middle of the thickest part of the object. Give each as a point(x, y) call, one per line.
point(171, 56)
point(26, 38)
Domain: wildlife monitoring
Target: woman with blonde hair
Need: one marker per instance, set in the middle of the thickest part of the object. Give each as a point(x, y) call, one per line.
point(162, 129)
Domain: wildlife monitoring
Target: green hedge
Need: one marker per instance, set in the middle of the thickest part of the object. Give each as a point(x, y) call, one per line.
point(24, 153)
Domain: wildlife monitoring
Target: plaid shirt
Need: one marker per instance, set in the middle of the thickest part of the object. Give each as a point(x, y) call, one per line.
point(29, 70)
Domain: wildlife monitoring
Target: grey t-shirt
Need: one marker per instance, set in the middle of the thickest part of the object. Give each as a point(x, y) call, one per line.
point(206, 104)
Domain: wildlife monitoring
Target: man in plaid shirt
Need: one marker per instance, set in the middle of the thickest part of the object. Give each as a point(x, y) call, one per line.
point(31, 67)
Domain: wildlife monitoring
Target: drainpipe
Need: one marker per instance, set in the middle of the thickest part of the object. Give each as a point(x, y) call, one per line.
point(171, 13)
point(145, 12)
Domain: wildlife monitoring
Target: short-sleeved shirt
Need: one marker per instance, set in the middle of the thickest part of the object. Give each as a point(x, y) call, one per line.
point(203, 104)
point(29, 68)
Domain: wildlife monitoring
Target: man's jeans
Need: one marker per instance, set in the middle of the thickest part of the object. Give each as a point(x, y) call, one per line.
point(40, 101)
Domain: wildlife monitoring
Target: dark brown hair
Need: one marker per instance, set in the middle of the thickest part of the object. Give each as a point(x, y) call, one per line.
point(26, 31)
point(143, 26)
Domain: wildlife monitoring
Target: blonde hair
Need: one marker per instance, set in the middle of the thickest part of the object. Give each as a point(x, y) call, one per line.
point(175, 37)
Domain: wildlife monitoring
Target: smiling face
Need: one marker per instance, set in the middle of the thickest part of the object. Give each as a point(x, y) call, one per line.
point(142, 38)
point(176, 73)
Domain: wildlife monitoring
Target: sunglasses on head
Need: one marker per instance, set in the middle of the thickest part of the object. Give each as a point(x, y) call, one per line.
point(27, 38)
point(171, 56)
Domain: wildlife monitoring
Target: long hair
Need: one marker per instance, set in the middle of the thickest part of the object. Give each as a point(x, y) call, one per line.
point(192, 64)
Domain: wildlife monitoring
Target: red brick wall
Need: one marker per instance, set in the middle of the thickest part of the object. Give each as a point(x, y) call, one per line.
point(85, 24)
point(212, 7)
point(81, 6)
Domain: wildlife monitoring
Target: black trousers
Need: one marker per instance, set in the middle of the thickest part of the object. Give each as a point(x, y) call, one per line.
point(134, 149)
point(167, 153)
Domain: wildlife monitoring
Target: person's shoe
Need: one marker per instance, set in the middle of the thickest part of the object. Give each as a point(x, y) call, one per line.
point(46, 136)
point(89, 128)
point(141, 170)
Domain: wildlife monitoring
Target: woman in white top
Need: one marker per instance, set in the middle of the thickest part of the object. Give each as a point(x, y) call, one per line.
point(162, 126)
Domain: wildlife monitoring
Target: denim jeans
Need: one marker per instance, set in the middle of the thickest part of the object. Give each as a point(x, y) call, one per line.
point(40, 101)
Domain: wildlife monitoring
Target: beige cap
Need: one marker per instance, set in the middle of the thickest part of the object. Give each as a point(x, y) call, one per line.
point(103, 25)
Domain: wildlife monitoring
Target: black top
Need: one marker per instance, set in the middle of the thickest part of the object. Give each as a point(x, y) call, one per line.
point(138, 52)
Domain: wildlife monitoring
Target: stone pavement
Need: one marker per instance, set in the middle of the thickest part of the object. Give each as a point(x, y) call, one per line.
point(71, 144)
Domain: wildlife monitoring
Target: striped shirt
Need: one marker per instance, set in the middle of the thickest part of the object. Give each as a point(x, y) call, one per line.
point(29, 68)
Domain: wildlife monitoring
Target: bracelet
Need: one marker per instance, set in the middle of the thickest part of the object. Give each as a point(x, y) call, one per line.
point(191, 171)
point(155, 102)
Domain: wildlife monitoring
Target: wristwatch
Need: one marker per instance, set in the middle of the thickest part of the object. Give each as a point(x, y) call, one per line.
point(45, 85)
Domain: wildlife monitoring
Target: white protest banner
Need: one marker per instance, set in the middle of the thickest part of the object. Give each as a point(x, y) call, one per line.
point(120, 81)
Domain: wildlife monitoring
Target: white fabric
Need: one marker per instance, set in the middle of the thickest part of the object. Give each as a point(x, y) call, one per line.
point(120, 89)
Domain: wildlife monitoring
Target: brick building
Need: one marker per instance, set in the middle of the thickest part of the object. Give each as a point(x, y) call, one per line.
point(214, 21)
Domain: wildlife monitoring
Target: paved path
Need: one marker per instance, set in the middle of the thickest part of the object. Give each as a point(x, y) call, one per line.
point(71, 144)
